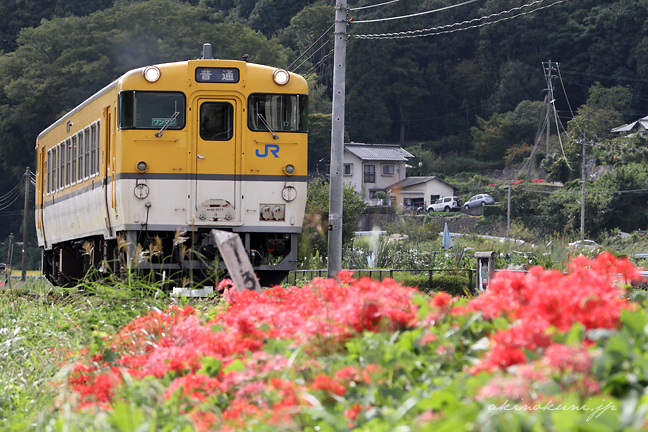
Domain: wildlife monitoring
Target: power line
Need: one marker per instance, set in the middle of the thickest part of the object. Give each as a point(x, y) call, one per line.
point(314, 52)
point(311, 46)
point(413, 15)
point(308, 73)
point(586, 191)
point(414, 33)
point(373, 6)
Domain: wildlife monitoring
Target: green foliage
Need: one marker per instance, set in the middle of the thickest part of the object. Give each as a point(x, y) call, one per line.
point(492, 137)
point(314, 236)
point(494, 210)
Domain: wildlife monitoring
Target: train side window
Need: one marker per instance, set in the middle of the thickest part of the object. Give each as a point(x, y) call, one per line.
point(73, 160)
point(216, 121)
point(61, 184)
point(48, 186)
point(54, 162)
point(80, 157)
point(68, 150)
point(93, 150)
point(86, 158)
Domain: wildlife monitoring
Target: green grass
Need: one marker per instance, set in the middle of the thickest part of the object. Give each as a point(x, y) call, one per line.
point(40, 326)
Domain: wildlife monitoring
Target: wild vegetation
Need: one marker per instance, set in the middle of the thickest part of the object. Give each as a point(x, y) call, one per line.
point(331, 355)
point(465, 101)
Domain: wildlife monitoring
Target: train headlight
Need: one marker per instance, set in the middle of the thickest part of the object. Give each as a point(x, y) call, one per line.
point(289, 169)
point(142, 167)
point(151, 74)
point(281, 76)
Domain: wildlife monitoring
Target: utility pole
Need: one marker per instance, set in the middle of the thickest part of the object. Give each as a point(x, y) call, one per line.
point(9, 257)
point(337, 142)
point(549, 99)
point(583, 197)
point(508, 213)
point(24, 245)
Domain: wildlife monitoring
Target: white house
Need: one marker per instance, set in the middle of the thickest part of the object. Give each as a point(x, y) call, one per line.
point(419, 191)
point(640, 126)
point(374, 167)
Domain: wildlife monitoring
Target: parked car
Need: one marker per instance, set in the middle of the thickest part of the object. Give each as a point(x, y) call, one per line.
point(446, 204)
point(587, 244)
point(479, 200)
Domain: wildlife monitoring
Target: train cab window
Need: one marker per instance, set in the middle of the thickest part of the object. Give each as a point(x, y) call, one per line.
point(216, 121)
point(151, 110)
point(278, 112)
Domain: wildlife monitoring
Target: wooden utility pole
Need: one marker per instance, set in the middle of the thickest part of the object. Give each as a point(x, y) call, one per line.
point(25, 220)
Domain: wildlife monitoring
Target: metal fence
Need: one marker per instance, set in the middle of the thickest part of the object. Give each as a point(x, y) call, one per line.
point(304, 276)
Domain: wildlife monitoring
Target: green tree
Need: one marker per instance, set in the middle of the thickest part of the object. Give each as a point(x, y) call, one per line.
point(492, 137)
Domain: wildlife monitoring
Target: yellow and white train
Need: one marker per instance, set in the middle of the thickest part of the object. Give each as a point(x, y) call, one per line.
point(186, 146)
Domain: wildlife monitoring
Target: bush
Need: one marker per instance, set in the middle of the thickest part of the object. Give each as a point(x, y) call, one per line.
point(494, 210)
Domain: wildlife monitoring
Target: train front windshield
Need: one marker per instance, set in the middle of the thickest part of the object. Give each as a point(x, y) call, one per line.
point(280, 112)
point(151, 110)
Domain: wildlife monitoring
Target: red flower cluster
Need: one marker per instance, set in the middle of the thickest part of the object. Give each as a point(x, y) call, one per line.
point(541, 299)
point(538, 180)
point(321, 315)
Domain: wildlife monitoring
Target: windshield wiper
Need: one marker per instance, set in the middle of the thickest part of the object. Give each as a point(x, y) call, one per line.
point(265, 123)
point(169, 121)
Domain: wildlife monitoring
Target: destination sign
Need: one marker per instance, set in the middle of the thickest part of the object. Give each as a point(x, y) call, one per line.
point(217, 75)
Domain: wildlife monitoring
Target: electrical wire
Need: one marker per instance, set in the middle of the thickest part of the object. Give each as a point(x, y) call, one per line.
point(19, 184)
point(314, 52)
point(568, 104)
point(6, 206)
point(373, 6)
point(310, 71)
point(586, 191)
point(413, 33)
point(311, 46)
point(414, 15)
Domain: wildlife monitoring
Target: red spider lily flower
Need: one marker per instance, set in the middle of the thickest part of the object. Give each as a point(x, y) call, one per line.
point(328, 384)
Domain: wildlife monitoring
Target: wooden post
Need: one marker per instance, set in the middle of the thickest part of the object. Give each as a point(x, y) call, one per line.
point(236, 259)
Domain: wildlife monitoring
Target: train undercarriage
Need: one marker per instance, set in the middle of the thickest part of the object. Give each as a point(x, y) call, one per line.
point(171, 259)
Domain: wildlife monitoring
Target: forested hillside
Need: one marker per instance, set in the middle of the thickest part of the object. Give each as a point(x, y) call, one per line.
point(464, 81)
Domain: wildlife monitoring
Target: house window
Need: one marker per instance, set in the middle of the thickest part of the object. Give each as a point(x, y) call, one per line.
point(348, 169)
point(388, 170)
point(370, 173)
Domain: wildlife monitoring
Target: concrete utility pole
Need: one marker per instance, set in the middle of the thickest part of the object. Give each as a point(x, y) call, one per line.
point(508, 213)
point(24, 250)
point(549, 99)
point(9, 257)
point(337, 142)
point(583, 177)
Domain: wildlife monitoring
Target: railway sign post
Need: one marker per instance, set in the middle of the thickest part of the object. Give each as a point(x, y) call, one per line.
point(236, 259)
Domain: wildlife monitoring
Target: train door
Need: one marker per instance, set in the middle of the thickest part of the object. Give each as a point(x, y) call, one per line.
point(217, 161)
